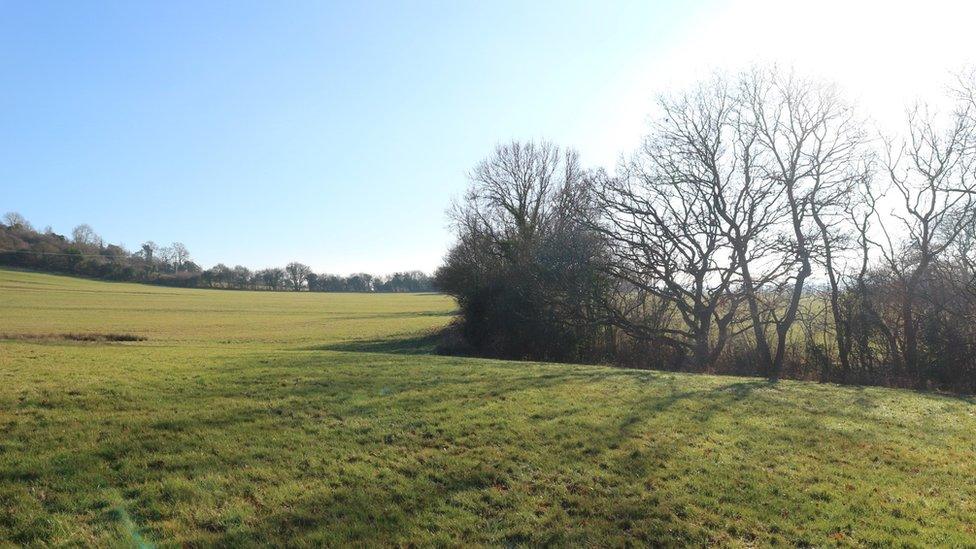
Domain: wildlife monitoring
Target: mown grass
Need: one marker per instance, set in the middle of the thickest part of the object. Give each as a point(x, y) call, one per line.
point(315, 419)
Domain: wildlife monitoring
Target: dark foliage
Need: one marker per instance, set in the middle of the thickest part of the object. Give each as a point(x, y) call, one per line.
point(85, 254)
point(524, 270)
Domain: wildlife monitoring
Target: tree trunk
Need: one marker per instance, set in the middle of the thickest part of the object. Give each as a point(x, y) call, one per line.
point(910, 352)
point(841, 330)
point(762, 345)
point(783, 328)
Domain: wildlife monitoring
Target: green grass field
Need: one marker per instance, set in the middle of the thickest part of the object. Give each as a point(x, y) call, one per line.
point(304, 419)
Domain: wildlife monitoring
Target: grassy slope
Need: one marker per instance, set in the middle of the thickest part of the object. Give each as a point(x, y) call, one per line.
point(258, 417)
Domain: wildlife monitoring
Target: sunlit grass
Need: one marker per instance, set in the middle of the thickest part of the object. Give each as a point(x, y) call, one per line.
point(258, 418)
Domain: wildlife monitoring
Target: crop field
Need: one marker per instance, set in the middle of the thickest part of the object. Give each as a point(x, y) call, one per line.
point(141, 415)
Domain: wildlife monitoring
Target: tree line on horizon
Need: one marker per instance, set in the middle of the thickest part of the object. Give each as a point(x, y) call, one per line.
point(761, 228)
point(84, 253)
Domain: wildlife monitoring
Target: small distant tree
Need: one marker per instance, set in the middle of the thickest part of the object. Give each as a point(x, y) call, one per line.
point(313, 282)
point(220, 275)
point(242, 277)
point(148, 250)
point(115, 253)
point(360, 282)
point(17, 221)
point(331, 283)
point(297, 274)
point(272, 279)
point(84, 235)
point(180, 255)
point(165, 255)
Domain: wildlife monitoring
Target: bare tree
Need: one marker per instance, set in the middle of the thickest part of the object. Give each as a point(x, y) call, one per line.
point(666, 238)
point(810, 142)
point(844, 227)
point(839, 163)
point(723, 203)
point(272, 279)
point(514, 191)
point(242, 277)
point(931, 172)
point(14, 219)
point(710, 152)
point(149, 250)
point(180, 255)
point(297, 274)
point(84, 235)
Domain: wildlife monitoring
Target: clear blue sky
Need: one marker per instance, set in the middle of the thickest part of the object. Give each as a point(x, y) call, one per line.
point(331, 133)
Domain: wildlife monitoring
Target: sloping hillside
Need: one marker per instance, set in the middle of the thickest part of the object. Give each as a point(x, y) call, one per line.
point(271, 417)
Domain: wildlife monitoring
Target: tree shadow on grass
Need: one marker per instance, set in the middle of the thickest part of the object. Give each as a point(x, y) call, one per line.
point(418, 344)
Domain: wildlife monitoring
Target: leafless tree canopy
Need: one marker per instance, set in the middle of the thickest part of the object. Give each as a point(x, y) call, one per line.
point(761, 227)
point(84, 235)
point(297, 275)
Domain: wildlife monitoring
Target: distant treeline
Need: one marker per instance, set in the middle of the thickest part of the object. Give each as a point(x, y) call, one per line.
point(85, 254)
point(760, 229)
